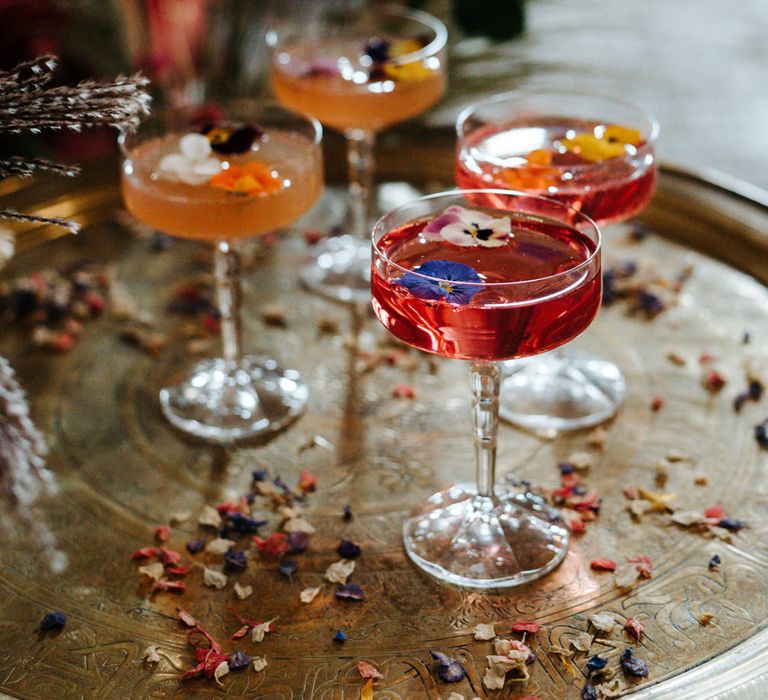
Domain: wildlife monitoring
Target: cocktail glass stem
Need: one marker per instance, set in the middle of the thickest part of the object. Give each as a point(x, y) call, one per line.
point(485, 380)
point(226, 276)
point(361, 164)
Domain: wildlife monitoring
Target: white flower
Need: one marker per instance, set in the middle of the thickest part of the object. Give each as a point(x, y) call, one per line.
point(468, 227)
point(193, 164)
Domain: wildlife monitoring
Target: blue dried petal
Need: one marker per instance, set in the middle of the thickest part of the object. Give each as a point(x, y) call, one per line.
point(340, 637)
point(238, 661)
point(347, 514)
point(731, 524)
point(195, 546)
point(755, 390)
point(633, 665)
point(565, 468)
point(531, 658)
point(235, 560)
point(581, 491)
point(714, 562)
point(288, 568)
point(639, 232)
point(442, 659)
point(446, 286)
point(589, 692)
point(53, 621)
point(739, 401)
point(297, 542)
point(259, 475)
point(761, 434)
point(250, 498)
point(649, 302)
point(451, 674)
point(347, 549)
point(244, 525)
point(596, 663)
point(609, 288)
point(350, 591)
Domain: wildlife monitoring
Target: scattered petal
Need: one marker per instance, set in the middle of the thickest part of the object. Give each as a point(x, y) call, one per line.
point(259, 663)
point(150, 655)
point(589, 692)
point(714, 562)
point(530, 627)
point(366, 692)
point(731, 524)
point(626, 575)
point(53, 621)
point(219, 546)
point(145, 553)
point(603, 565)
point(220, 671)
point(235, 560)
point(632, 664)
point(169, 586)
point(602, 622)
point(308, 595)
point(153, 571)
point(169, 557)
point(634, 627)
point(163, 533)
point(368, 671)
point(705, 618)
point(258, 632)
point(299, 525)
point(484, 631)
point(195, 546)
point(582, 642)
point(348, 549)
point(180, 518)
point(596, 663)
point(340, 637)
point(238, 661)
point(186, 618)
point(307, 481)
point(288, 568)
point(340, 571)
point(346, 514)
point(274, 546)
point(209, 517)
point(350, 591)
point(297, 542)
point(214, 579)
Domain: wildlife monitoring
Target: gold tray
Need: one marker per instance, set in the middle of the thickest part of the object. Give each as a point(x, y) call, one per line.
point(122, 471)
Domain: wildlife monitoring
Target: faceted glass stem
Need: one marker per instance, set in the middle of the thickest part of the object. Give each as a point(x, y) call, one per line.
point(361, 166)
point(226, 275)
point(485, 380)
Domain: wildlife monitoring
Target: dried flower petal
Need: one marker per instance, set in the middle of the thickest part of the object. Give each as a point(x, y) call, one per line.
point(340, 636)
point(209, 517)
point(368, 671)
point(243, 592)
point(169, 557)
point(348, 549)
point(582, 642)
point(644, 565)
point(219, 546)
point(705, 618)
point(596, 663)
point(366, 692)
point(235, 560)
point(145, 553)
point(632, 664)
point(714, 562)
point(274, 546)
point(195, 546)
point(603, 565)
point(214, 579)
point(626, 575)
point(484, 631)
point(258, 632)
point(340, 571)
point(238, 661)
point(731, 524)
point(589, 692)
point(53, 621)
point(259, 663)
point(602, 622)
point(308, 595)
point(349, 591)
point(153, 571)
point(524, 626)
point(288, 568)
point(634, 627)
point(220, 671)
point(307, 481)
point(299, 525)
point(186, 618)
point(163, 533)
point(169, 586)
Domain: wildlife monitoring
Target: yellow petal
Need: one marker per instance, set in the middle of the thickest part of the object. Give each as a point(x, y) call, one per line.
point(622, 134)
point(366, 692)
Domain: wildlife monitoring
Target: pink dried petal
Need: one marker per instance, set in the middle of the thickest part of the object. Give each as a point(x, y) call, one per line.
point(186, 618)
point(368, 671)
point(403, 391)
point(145, 553)
point(168, 556)
point(163, 533)
point(178, 570)
point(644, 565)
point(715, 512)
point(241, 632)
point(634, 627)
point(630, 492)
point(170, 586)
point(603, 564)
point(526, 626)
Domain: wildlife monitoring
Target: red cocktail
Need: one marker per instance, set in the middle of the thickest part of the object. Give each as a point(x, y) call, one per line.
point(593, 154)
point(485, 285)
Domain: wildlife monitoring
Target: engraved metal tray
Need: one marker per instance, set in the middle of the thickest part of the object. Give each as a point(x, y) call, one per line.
point(122, 471)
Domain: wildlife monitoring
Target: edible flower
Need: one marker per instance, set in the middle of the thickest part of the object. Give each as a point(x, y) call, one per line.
point(250, 179)
point(611, 143)
point(445, 285)
point(633, 665)
point(449, 670)
point(536, 173)
point(227, 140)
point(468, 227)
point(192, 164)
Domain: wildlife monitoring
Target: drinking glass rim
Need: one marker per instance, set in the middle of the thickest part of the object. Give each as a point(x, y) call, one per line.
point(124, 136)
point(651, 120)
point(433, 47)
point(517, 193)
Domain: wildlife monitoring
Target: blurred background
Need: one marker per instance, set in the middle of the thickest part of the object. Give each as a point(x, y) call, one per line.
point(700, 67)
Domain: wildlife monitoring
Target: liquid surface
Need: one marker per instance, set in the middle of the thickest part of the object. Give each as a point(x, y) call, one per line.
point(505, 156)
point(500, 321)
point(205, 213)
point(349, 96)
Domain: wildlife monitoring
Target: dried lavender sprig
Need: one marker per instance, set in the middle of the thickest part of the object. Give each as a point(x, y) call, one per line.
point(121, 104)
point(26, 167)
point(31, 75)
point(12, 215)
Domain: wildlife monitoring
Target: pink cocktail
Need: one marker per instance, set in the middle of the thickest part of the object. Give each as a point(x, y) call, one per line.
point(485, 285)
point(593, 154)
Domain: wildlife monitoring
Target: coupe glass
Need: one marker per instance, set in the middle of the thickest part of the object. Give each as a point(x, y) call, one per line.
point(595, 154)
point(357, 71)
point(257, 168)
point(485, 285)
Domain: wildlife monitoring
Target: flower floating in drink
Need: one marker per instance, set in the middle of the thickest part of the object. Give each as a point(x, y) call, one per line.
point(485, 285)
point(216, 183)
point(358, 72)
point(593, 154)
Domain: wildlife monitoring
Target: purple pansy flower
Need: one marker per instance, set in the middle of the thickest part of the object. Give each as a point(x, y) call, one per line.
point(446, 285)
point(469, 227)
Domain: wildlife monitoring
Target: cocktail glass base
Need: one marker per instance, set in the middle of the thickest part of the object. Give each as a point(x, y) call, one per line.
point(561, 391)
point(222, 402)
point(485, 542)
point(341, 270)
